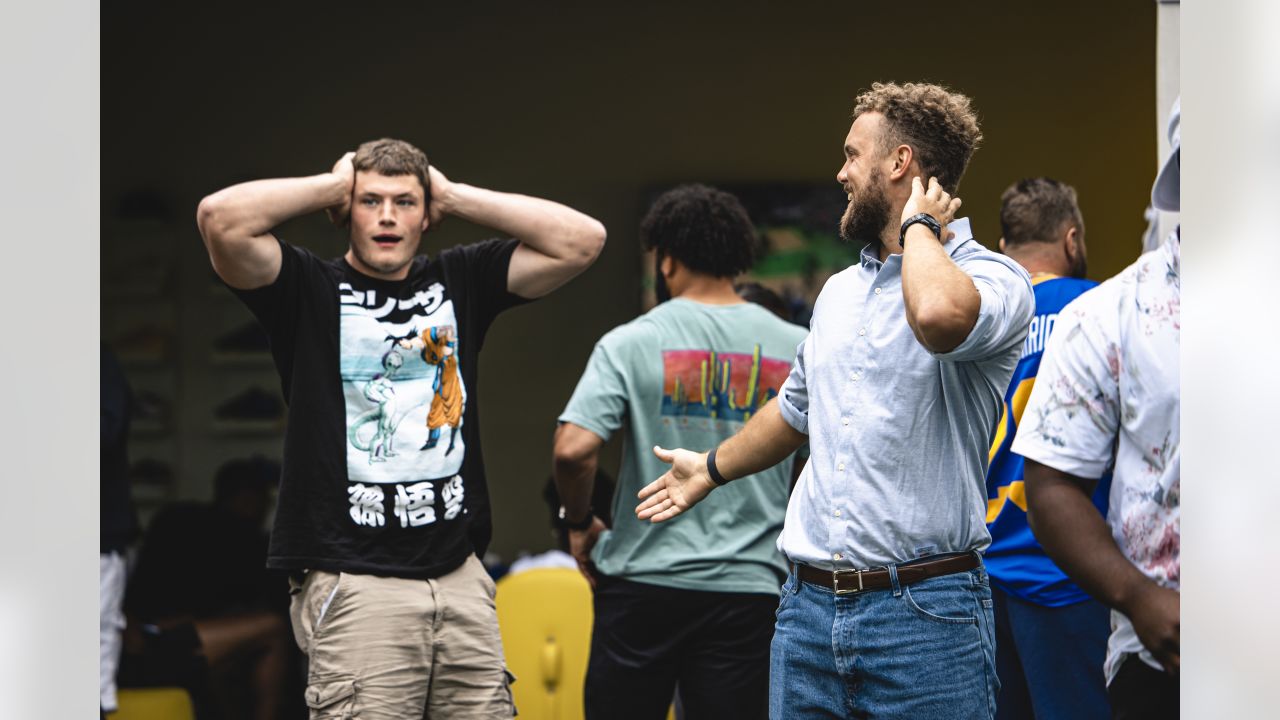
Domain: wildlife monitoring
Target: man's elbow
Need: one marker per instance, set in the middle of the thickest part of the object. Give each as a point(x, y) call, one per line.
point(211, 218)
point(589, 244)
point(569, 459)
point(941, 328)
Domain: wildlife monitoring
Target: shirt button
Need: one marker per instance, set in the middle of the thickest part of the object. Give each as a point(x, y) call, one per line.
point(877, 291)
point(844, 421)
point(840, 467)
point(836, 556)
point(862, 331)
point(837, 513)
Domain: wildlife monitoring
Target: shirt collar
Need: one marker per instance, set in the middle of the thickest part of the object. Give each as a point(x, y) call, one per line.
point(960, 226)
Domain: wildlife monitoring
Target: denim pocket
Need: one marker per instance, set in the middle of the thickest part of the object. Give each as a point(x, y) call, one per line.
point(788, 589)
point(948, 603)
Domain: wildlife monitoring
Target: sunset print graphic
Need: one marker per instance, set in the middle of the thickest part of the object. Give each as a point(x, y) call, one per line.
point(722, 386)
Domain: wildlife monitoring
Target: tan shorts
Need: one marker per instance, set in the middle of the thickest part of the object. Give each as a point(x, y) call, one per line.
point(380, 647)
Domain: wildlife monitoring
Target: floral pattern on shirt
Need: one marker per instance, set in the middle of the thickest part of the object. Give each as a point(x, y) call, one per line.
point(1107, 397)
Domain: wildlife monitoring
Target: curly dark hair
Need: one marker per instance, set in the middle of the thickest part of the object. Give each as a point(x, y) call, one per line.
point(706, 229)
point(1037, 210)
point(939, 125)
point(393, 157)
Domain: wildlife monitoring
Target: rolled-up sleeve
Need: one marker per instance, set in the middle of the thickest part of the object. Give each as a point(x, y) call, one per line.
point(1070, 422)
point(793, 399)
point(1007, 306)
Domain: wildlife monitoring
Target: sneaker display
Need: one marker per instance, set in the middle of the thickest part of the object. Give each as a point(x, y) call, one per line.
point(151, 472)
point(150, 413)
point(147, 344)
point(248, 340)
point(253, 408)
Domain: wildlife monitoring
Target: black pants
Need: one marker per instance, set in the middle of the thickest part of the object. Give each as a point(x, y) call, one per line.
point(1141, 692)
point(648, 638)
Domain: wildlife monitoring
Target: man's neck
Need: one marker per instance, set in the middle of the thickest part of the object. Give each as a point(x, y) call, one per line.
point(1037, 263)
point(710, 291)
point(889, 237)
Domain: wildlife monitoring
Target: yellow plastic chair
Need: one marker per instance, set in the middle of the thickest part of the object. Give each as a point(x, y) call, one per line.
point(153, 704)
point(545, 618)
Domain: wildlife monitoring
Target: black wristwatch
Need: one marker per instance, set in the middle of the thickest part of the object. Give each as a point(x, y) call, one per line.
point(582, 524)
point(924, 219)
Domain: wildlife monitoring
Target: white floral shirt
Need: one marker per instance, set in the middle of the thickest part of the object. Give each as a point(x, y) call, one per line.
point(1108, 392)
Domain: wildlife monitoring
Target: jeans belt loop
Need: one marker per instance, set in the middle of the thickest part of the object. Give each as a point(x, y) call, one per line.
point(835, 581)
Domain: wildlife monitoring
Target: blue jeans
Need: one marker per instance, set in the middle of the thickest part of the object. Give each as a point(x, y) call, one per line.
point(921, 651)
point(1050, 659)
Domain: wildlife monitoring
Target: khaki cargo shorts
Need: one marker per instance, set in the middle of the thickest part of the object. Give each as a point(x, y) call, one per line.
point(380, 647)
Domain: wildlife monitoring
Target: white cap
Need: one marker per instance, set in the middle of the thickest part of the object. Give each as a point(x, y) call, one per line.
point(1164, 194)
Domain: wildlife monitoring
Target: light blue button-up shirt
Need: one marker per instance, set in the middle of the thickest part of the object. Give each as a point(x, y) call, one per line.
point(899, 436)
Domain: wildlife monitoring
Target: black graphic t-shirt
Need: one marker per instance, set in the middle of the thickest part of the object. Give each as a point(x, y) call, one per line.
point(382, 466)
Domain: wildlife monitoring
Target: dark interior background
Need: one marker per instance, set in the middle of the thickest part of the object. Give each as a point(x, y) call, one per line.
point(590, 104)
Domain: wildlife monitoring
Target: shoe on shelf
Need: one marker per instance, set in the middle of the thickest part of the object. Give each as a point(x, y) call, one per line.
point(253, 406)
point(248, 339)
point(147, 344)
point(150, 471)
point(150, 412)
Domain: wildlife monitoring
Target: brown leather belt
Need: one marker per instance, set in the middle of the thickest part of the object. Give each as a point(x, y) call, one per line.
point(845, 582)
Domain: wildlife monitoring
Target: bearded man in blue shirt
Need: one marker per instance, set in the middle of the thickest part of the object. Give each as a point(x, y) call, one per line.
point(887, 611)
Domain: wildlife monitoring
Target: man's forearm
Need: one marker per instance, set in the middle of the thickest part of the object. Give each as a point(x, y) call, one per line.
point(766, 440)
point(574, 479)
point(552, 229)
point(575, 457)
point(941, 300)
point(1076, 536)
point(253, 208)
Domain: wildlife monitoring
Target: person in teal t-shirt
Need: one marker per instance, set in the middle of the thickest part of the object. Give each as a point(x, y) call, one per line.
point(689, 602)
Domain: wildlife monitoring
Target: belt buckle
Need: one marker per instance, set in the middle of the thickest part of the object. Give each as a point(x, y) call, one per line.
point(835, 582)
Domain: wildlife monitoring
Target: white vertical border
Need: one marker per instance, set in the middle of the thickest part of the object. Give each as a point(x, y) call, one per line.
point(49, 196)
point(1230, 348)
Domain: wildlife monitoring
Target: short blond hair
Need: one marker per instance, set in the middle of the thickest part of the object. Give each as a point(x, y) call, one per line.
point(393, 157)
point(939, 125)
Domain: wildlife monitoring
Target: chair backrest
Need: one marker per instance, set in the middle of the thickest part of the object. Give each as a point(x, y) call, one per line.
point(153, 704)
point(545, 617)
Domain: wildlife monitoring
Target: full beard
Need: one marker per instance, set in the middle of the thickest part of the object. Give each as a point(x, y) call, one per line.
point(865, 219)
point(1079, 267)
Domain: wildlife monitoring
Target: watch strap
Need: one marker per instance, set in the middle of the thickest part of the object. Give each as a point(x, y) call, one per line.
point(925, 219)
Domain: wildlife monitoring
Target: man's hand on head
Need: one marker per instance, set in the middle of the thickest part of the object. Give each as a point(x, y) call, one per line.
point(346, 171)
point(933, 201)
point(441, 196)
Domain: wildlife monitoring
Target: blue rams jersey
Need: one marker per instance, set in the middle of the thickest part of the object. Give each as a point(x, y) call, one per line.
point(1015, 560)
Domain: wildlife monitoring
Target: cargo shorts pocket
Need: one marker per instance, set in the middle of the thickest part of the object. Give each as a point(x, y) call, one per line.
point(511, 698)
point(332, 697)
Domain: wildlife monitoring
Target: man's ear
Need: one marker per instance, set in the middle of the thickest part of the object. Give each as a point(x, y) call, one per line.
point(426, 221)
point(667, 266)
point(902, 157)
point(1002, 248)
point(1071, 241)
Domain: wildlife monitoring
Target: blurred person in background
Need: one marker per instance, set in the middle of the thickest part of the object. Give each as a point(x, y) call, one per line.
point(1051, 637)
point(205, 613)
point(689, 604)
point(118, 523)
point(1108, 400)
